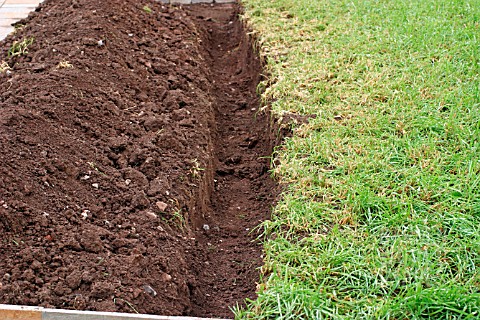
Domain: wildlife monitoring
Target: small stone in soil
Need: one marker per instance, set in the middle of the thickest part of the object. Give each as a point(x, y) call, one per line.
point(151, 214)
point(149, 290)
point(85, 214)
point(161, 205)
point(166, 277)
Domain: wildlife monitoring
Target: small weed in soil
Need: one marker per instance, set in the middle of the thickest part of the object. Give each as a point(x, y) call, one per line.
point(20, 47)
point(147, 9)
point(4, 67)
point(64, 64)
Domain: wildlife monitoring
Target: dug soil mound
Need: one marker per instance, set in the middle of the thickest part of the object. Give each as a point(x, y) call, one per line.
point(132, 159)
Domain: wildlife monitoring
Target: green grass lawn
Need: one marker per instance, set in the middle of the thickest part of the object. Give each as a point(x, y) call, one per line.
point(381, 214)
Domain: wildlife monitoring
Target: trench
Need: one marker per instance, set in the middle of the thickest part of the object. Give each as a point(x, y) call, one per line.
point(242, 190)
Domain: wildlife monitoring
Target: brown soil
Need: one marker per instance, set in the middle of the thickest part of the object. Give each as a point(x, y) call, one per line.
point(131, 176)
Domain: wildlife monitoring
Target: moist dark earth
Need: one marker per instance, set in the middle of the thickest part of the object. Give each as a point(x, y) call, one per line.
point(133, 159)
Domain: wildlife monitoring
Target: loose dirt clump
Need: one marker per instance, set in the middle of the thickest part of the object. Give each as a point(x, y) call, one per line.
point(130, 160)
